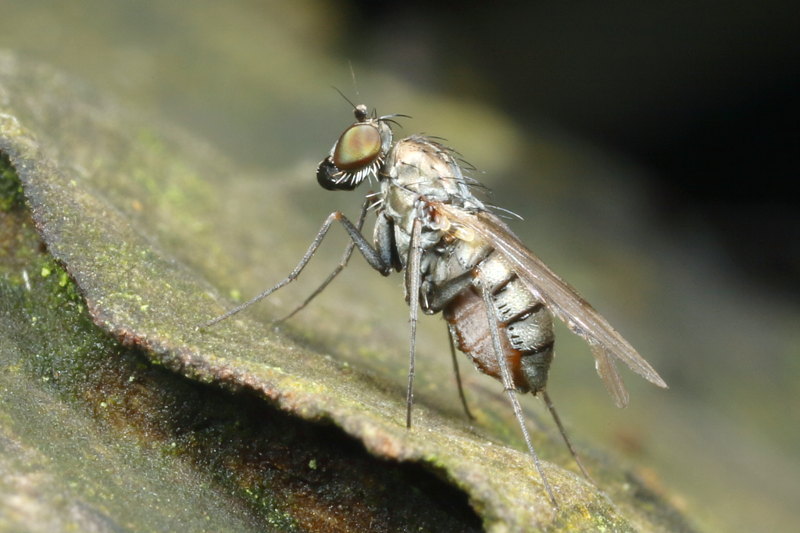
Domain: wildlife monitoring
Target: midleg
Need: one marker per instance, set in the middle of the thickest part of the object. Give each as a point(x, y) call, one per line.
point(450, 334)
point(435, 299)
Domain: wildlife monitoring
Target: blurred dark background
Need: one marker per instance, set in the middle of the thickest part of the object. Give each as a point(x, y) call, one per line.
point(704, 95)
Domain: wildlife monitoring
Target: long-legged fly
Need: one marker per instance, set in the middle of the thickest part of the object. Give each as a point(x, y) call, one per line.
point(497, 297)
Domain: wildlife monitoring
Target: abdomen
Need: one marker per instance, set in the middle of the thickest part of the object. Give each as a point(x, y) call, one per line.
point(525, 326)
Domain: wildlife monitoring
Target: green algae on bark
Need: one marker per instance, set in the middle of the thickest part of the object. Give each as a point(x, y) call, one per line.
point(125, 210)
point(10, 187)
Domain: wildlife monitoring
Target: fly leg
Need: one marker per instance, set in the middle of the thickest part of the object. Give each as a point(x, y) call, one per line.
point(435, 299)
point(348, 252)
point(372, 256)
point(461, 394)
point(552, 408)
point(508, 385)
point(413, 276)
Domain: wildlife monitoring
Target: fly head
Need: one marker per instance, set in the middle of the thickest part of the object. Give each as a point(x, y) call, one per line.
point(358, 154)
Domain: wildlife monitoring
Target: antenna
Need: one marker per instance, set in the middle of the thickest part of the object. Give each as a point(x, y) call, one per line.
point(346, 99)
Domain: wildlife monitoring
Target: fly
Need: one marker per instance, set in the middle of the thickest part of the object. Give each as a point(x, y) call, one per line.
point(497, 297)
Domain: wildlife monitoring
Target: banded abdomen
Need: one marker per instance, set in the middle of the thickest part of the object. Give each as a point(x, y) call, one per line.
point(524, 323)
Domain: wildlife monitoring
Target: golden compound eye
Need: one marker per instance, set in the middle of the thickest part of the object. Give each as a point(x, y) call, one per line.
point(358, 146)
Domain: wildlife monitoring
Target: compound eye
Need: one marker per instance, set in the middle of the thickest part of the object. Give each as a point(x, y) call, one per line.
point(358, 146)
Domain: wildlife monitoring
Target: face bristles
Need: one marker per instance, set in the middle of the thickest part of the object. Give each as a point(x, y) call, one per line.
point(354, 179)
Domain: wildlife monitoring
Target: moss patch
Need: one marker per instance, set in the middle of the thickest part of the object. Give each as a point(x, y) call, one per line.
point(11, 196)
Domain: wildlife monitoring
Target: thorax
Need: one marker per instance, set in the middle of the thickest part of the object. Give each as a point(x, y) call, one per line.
point(419, 174)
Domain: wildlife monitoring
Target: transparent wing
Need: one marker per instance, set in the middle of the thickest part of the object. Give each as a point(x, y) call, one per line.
point(563, 301)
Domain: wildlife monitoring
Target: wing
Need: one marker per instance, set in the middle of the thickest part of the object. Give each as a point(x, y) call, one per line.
point(563, 301)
